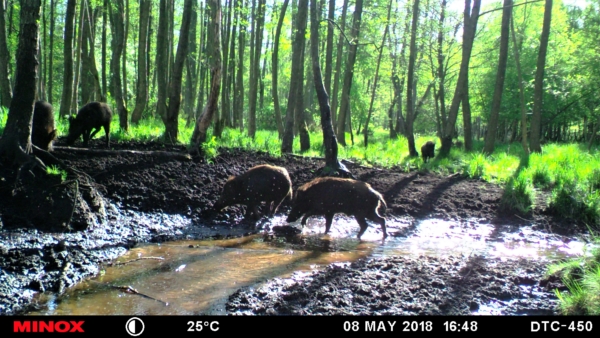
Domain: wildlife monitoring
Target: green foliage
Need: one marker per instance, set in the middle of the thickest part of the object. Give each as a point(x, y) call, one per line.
point(581, 275)
point(518, 195)
point(54, 170)
point(210, 149)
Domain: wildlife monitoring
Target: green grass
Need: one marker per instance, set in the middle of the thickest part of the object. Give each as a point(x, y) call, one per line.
point(54, 170)
point(581, 275)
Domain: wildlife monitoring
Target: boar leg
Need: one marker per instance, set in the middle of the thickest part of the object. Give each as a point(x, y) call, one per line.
point(306, 216)
point(363, 225)
point(328, 221)
point(379, 220)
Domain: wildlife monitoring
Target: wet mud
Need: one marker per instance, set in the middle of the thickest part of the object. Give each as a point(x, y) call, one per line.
point(158, 199)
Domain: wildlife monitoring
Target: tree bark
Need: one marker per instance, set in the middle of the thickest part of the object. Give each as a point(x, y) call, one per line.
point(490, 137)
point(117, 42)
point(239, 83)
point(141, 98)
point(332, 166)
point(255, 74)
point(341, 127)
point(65, 102)
point(470, 27)
point(162, 62)
point(524, 142)
point(411, 74)
point(296, 76)
point(385, 32)
point(338, 68)
point(5, 88)
point(329, 49)
point(15, 144)
point(191, 62)
point(275, 66)
point(538, 90)
point(172, 119)
point(200, 131)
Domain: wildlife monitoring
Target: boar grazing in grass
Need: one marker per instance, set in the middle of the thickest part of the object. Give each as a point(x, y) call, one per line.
point(43, 131)
point(330, 195)
point(428, 150)
point(260, 183)
point(94, 115)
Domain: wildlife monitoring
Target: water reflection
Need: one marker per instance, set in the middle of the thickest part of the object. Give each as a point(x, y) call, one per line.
point(196, 277)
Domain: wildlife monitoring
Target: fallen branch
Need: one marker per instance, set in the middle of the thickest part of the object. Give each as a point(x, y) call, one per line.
point(104, 152)
point(134, 260)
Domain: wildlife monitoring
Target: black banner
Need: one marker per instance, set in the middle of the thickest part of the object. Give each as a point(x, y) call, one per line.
point(146, 326)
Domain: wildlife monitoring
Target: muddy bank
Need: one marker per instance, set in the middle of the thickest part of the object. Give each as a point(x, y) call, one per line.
point(156, 199)
point(455, 285)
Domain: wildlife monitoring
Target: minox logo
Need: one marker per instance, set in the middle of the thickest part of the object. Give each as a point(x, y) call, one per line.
point(61, 326)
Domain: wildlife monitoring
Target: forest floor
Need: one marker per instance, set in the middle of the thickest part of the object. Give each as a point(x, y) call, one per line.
point(156, 199)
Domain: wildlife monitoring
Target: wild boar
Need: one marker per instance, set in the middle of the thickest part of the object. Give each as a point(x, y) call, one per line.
point(428, 150)
point(260, 183)
point(331, 195)
point(43, 132)
point(92, 116)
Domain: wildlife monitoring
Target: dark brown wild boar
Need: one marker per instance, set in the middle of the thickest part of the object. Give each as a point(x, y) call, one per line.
point(43, 131)
point(92, 116)
point(260, 183)
point(331, 195)
point(428, 150)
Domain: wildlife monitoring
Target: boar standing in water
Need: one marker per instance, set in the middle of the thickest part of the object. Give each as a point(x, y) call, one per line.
point(92, 116)
point(260, 183)
point(42, 129)
point(331, 195)
point(427, 150)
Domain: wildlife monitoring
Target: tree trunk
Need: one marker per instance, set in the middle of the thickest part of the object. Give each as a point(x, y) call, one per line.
point(490, 137)
point(441, 73)
point(105, 11)
point(51, 57)
point(338, 68)
point(470, 27)
point(255, 73)
point(296, 76)
point(191, 66)
point(65, 102)
point(15, 144)
point(162, 62)
point(410, 113)
point(387, 27)
point(141, 98)
point(117, 28)
point(332, 166)
point(200, 131)
point(538, 90)
point(239, 83)
point(275, 66)
point(172, 119)
point(124, 66)
point(329, 50)
point(5, 89)
point(341, 128)
point(78, 46)
point(524, 142)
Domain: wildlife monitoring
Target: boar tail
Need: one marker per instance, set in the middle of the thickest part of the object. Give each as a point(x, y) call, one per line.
point(382, 205)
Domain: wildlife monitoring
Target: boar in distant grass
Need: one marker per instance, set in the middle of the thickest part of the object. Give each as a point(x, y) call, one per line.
point(43, 131)
point(428, 150)
point(92, 116)
point(267, 183)
point(331, 195)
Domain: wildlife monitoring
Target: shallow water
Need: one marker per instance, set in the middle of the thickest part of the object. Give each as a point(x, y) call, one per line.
point(196, 277)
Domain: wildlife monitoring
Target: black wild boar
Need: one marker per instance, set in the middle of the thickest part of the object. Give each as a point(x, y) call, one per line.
point(43, 131)
point(260, 183)
point(331, 195)
point(428, 150)
point(94, 115)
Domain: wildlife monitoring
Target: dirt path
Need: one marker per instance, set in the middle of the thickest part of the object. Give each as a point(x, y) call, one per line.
point(180, 195)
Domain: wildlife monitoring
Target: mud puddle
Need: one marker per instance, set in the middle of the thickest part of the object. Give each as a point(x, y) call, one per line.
point(197, 277)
